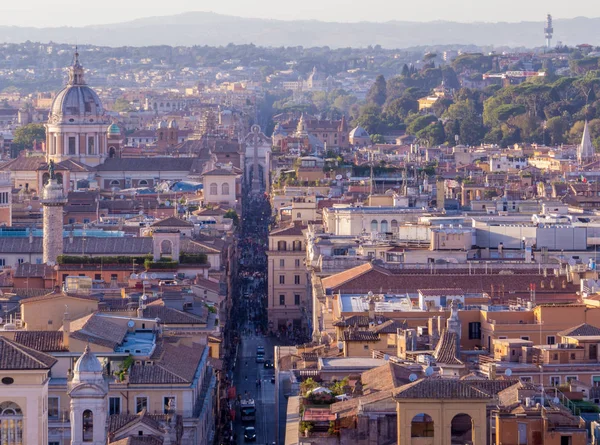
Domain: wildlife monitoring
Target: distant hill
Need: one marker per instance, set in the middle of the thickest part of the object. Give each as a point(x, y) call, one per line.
point(205, 28)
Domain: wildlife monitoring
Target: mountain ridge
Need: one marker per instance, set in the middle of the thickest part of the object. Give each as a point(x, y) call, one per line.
point(212, 29)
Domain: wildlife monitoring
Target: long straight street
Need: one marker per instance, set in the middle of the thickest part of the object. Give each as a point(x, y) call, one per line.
point(246, 375)
point(254, 380)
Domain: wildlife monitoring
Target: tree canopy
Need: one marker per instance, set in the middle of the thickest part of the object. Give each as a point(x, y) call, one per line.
point(25, 136)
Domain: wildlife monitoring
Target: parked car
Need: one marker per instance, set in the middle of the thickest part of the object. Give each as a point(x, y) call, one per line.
point(249, 434)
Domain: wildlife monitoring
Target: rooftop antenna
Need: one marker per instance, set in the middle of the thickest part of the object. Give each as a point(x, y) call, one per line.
point(548, 31)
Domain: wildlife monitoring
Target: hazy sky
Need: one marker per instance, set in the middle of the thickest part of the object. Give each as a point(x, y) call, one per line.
point(79, 13)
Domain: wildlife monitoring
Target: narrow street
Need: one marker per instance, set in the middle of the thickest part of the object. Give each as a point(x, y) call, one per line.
point(253, 380)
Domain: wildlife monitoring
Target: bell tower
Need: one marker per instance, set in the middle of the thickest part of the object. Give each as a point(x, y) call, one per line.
point(89, 409)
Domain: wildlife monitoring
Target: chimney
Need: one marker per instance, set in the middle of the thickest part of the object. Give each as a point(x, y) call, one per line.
point(66, 327)
point(71, 237)
point(140, 311)
point(30, 237)
point(372, 308)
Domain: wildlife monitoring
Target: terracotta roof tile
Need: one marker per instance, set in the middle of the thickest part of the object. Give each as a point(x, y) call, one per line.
point(291, 230)
point(172, 222)
point(582, 330)
point(371, 277)
point(99, 330)
point(56, 295)
point(446, 349)
point(385, 377)
point(434, 388)
point(177, 364)
point(336, 280)
point(14, 356)
point(45, 341)
point(360, 336)
point(168, 315)
point(389, 327)
point(362, 321)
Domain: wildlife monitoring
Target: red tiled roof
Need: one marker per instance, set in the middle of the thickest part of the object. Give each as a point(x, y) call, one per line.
point(99, 330)
point(434, 388)
point(177, 364)
point(370, 277)
point(14, 356)
point(385, 377)
point(360, 336)
point(446, 349)
point(45, 341)
point(338, 279)
point(582, 330)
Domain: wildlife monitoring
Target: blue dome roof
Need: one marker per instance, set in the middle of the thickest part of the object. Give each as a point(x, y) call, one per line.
point(113, 129)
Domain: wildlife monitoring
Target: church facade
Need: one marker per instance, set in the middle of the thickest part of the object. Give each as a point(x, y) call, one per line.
point(77, 126)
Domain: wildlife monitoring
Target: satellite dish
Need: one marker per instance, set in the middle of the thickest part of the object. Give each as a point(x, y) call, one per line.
point(556, 400)
point(1, 320)
point(153, 276)
point(508, 372)
point(130, 323)
point(144, 297)
point(340, 345)
point(429, 371)
point(348, 175)
point(122, 197)
point(412, 377)
point(338, 177)
point(386, 357)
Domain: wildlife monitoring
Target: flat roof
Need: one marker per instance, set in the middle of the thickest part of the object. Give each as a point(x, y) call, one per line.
point(137, 343)
point(390, 303)
point(349, 363)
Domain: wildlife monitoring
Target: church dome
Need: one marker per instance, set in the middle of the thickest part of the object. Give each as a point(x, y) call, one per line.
point(359, 132)
point(77, 99)
point(162, 124)
point(172, 123)
point(113, 130)
point(87, 363)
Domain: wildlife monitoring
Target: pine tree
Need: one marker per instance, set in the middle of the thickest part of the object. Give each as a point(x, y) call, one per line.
point(378, 92)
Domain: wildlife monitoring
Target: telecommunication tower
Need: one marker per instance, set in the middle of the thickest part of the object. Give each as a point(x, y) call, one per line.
point(548, 31)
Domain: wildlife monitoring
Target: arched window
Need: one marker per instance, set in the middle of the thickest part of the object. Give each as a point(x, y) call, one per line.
point(374, 226)
point(112, 152)
point(394, 224)
point(88, 426)
point(297, 246)
point(461, 429)
point(225, 189)
point(166, 247)
point(59, 178)
point(214, 189)
point(384, 225)
point(142, 182)
point(281, 245)
point(160, 136)
point(11, 423)
point(45, 178)
point(115, 183)
point(421, 426)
